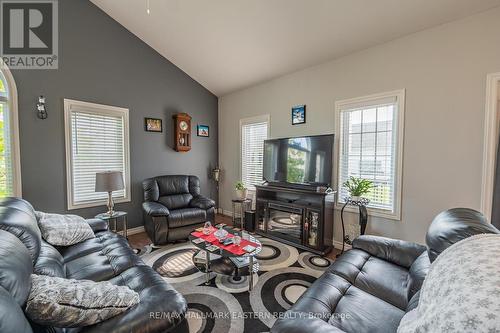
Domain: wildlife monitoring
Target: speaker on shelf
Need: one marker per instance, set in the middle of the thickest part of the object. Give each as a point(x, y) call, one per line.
point(250, 220)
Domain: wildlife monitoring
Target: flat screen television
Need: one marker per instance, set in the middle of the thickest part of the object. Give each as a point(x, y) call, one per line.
point(304, 160)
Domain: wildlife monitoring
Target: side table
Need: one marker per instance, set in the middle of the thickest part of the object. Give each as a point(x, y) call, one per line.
point(243, 205)
point(114, 218)
point(363, 216)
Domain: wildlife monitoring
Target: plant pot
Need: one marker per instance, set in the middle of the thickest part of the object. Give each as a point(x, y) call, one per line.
point(355, 198)
point(241, 194)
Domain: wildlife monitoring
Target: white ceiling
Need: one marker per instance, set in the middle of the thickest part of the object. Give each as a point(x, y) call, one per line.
point(227, 45)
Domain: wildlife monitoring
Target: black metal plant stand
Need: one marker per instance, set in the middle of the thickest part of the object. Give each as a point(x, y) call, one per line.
point(363, 217)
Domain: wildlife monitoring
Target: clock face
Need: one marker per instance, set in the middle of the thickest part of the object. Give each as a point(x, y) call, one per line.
point(183, 125)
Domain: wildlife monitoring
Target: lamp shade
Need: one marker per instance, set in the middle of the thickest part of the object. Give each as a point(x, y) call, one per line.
point(109, 181)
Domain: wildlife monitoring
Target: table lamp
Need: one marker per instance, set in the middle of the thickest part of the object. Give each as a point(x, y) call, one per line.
point(109, 181)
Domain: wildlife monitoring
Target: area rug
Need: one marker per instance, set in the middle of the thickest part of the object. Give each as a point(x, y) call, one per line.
point(226, 306)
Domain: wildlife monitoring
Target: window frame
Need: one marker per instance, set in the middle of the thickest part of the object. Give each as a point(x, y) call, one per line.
point(400, 96)
point(246, 121)
point(99, 109)
point(12, 102)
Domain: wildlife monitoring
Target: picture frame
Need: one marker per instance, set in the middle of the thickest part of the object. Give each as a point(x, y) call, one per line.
point(203, 131)
point(154, 125)
point(298, 115)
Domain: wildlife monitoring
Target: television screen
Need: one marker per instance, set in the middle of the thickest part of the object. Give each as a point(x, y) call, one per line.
point(305, 160)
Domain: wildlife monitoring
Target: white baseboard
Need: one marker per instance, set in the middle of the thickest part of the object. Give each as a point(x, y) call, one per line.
point(227, 212)
point(338, 246)
point(133, 231)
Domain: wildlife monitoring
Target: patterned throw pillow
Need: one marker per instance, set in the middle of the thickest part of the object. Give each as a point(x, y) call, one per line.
point(59, 302)
point(63, 230)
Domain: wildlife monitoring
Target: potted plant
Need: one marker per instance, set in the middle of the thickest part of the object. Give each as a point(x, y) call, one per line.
point(357, 187)
point(241, 190)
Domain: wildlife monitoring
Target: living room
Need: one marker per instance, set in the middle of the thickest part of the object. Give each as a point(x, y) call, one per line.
point(249, 166)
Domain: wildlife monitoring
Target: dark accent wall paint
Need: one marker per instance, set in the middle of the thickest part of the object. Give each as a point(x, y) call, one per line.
point(102, 62)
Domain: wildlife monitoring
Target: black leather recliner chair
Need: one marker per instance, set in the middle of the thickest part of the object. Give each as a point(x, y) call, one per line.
point(370, 288)
point(107, 257)
point(173, 207)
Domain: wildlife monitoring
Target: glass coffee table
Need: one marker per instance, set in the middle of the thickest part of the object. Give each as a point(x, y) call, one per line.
point(224, 265)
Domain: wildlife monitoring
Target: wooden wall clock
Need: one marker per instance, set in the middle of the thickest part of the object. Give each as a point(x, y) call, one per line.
point(182, 132)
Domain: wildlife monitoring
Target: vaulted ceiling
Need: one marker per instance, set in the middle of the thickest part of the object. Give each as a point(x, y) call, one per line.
point(228, 45)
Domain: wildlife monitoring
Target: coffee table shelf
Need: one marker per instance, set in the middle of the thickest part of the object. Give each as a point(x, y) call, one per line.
point(224, 265)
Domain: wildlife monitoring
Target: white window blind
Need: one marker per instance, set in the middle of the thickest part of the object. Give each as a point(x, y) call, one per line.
point(10, 174)
point(369, 148)
point(253, 134)
point(6, 162)
point(98, 142)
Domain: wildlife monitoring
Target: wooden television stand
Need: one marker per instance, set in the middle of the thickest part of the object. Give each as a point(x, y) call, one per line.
point(298, 216)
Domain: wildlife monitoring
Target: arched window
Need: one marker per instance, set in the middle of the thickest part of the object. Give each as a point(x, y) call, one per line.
point(10, 170)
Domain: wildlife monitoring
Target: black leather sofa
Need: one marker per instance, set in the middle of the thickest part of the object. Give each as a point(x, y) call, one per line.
point(371, 287)
point(107, 257)
point(173, 207)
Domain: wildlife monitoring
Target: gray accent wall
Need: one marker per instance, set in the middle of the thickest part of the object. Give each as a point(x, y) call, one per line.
point(101, 62)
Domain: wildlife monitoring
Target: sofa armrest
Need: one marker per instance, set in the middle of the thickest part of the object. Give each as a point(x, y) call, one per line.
point(399, 252)
point(202, 202)
point(155, 209)
point(97, 225)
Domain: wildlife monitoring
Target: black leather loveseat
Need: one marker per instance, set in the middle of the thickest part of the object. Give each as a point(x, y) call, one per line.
point(369, 288)
point(173, 207)
point(107, 257)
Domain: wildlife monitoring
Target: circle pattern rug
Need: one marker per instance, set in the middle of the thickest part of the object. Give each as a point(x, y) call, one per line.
point(225, 305)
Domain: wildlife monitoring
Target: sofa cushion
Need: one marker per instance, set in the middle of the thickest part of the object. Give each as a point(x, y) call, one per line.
point(62, 302)
point(176, 201)
point(384, 280)
point(63, 230)
point(24, 226)
point(50, 262)
point(360, 312)
point(170, 185)
point(99, 259)
point(202, 203)
point(102, 239)
point(344, 307)
point(157, 299)
point(374, 276)
point(186, 216)
point(15, 267)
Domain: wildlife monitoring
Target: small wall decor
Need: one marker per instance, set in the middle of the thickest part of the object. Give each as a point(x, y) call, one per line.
point(299, 115)
point(203, 130)
point(153, 125)
point(40, 108)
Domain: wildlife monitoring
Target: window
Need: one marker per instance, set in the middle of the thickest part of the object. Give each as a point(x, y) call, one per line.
point(253, 132)
point(97, 140)
point(370, 146)
point(10, 170)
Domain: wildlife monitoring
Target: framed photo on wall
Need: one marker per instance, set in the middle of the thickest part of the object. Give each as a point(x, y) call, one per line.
point(153, 125)
point(299, 115)
point(203, 130)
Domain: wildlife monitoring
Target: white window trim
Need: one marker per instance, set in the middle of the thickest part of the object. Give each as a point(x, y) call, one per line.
point(246, 121)
point(400, 95)
point(17, 188)
point(104, 109)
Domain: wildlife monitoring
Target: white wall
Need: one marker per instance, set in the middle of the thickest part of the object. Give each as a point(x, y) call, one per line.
point(443, 71)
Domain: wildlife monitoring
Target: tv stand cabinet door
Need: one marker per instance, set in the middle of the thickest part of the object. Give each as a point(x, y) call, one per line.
point(313, 233)
point(262, 215)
